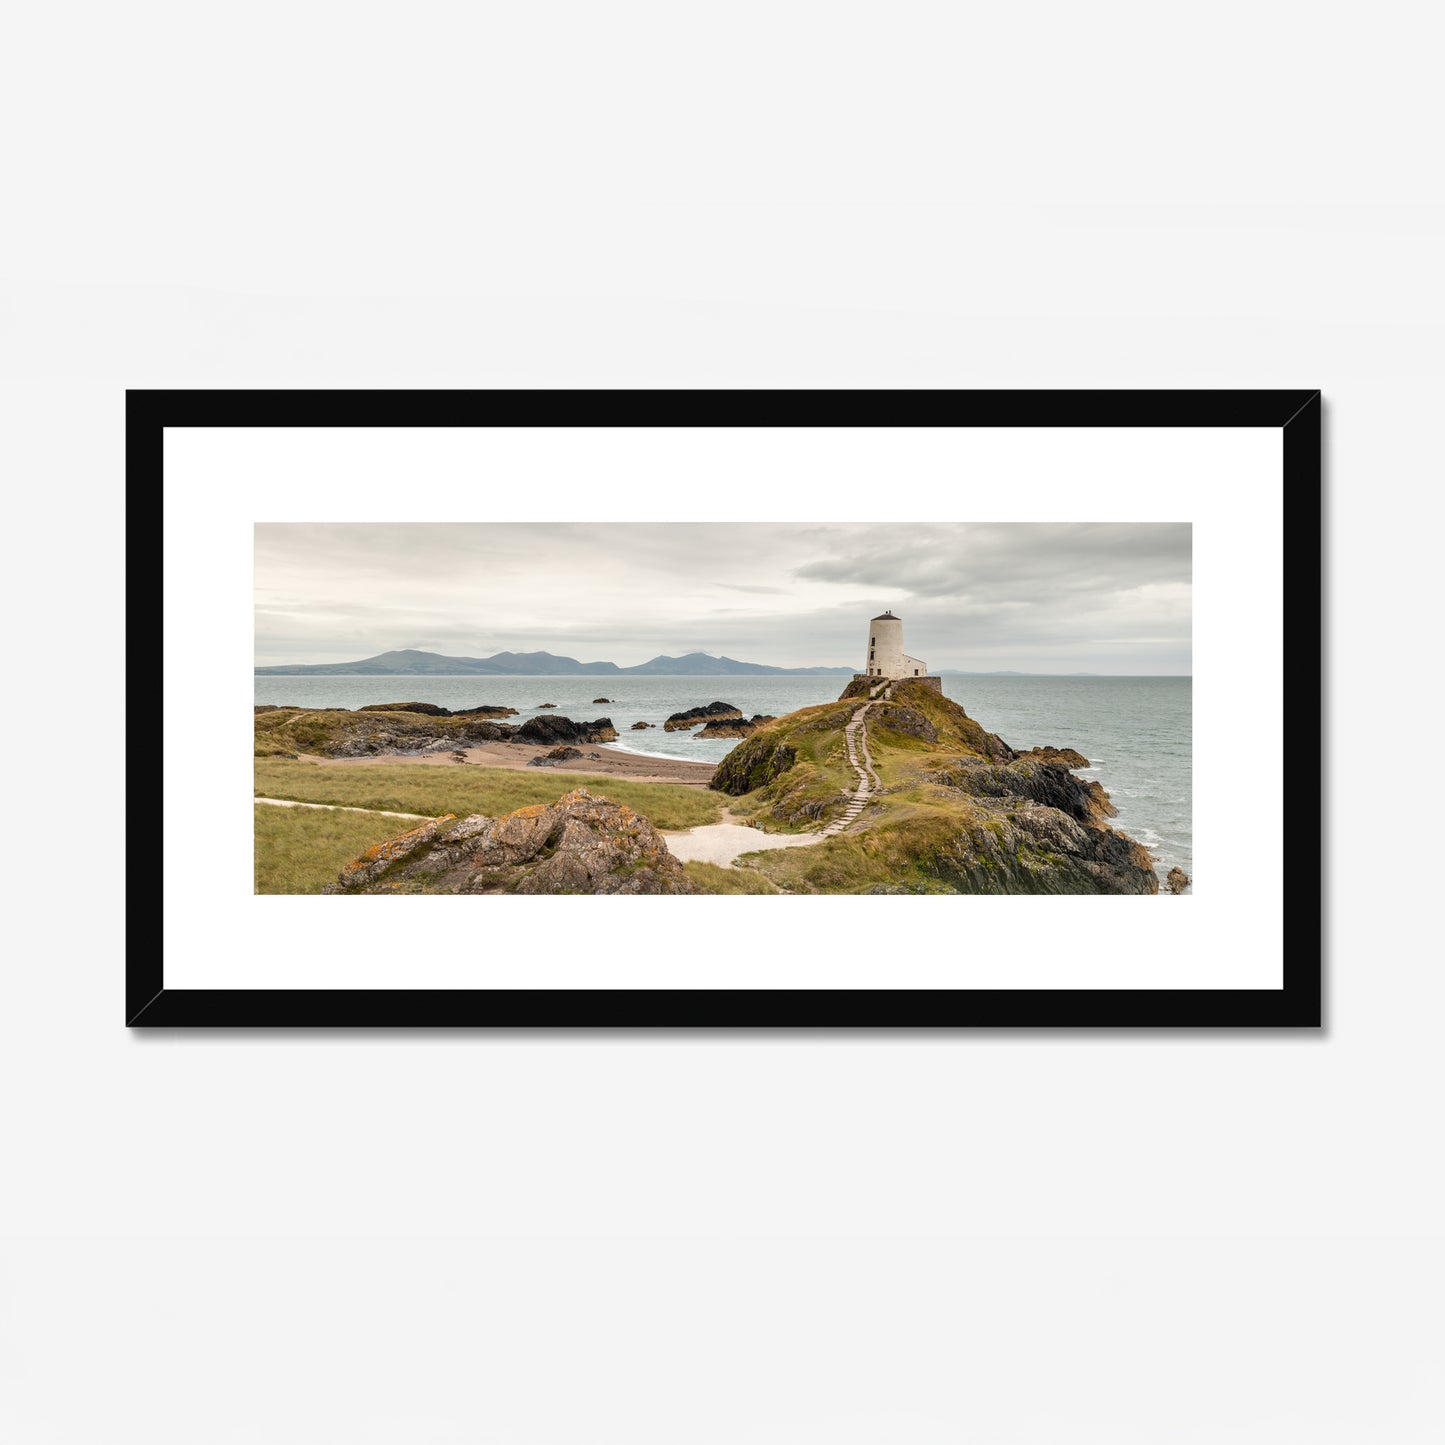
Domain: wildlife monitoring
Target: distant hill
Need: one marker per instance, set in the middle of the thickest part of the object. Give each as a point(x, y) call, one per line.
point(409, 662)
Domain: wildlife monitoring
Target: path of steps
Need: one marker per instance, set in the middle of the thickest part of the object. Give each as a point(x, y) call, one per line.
point(722, 843)
point(856, 737)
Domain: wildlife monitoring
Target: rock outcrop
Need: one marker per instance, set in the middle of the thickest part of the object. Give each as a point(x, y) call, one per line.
point(753, 764)
point(682, 721)
point(1067, 756)
point(908, 722)
point(580, 844)
point(558, 729)
point(428, 709)
point(1177, 881)
point(733, 727)
point(638, 725)
point(339, 733)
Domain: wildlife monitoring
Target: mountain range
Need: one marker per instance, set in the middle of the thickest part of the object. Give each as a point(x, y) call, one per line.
point(409, 662)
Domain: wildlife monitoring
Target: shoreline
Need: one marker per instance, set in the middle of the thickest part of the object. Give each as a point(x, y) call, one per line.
point(611, 762)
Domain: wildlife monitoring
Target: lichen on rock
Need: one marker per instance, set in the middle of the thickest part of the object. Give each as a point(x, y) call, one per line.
point(579, 844)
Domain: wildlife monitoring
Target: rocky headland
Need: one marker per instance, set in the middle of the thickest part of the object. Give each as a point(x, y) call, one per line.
point(957, 809)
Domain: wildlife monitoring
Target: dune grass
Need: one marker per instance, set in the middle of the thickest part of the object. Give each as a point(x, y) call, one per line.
point(418, 788)
point(300, 849)
point(714, 879)
point(894, 851)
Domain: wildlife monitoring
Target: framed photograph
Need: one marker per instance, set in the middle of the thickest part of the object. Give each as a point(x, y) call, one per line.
point(726, 710)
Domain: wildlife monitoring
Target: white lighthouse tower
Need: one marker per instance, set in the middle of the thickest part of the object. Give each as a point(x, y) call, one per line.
point(887, 660)
point(886, 657)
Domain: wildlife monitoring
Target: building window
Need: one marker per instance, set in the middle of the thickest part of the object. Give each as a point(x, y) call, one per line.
point(872, 641)
point(915, 672)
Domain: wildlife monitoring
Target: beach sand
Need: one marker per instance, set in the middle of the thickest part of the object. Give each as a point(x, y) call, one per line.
point(609, 762)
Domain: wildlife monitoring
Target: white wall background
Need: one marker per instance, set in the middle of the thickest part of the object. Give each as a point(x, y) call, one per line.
point(991, 1239)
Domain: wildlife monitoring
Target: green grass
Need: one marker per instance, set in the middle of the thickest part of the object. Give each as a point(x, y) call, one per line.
point(300, 849)
point(713, 879)
point(434, 790)
point(893, 851)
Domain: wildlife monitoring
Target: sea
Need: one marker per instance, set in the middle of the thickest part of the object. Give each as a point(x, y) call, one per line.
point(1135, 731)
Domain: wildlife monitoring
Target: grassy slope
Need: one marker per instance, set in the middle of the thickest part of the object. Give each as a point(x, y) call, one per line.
point(434, 790)
point(299, 849)
point(812, 790)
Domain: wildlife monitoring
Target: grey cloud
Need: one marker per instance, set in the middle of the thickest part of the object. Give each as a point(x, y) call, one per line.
point(1106, 597)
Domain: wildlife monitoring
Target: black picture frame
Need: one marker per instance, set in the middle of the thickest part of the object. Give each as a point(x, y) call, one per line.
point(1297, 1005)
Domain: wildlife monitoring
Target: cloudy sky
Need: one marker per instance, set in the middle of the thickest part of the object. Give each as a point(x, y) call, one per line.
point(1026, 597)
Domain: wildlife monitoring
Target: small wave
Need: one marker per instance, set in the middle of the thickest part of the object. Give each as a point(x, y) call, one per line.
point(643, 753)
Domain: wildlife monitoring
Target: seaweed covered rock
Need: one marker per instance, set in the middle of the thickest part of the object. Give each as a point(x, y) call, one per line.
point(429, 709)
point(733, 727)
point(579, 844)
point(558, 729)
point(681, 721)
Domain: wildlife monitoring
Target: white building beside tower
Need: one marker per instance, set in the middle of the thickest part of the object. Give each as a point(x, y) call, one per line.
point(886, 657)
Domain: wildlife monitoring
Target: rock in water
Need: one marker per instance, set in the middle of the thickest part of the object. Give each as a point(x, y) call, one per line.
point(596, 700)
point(1177, 881)
point(637, 725)
point(579, 844)
point(681, 721)
point(1067, 756)
point(733, 727)
point(549, 730)
point(428, 709)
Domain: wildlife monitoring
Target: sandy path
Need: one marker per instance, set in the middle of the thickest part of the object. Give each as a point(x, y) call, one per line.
point(337, 808)
point(722, 842)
